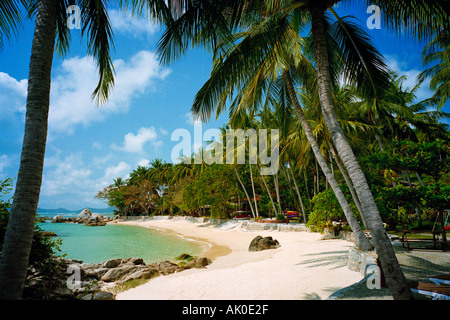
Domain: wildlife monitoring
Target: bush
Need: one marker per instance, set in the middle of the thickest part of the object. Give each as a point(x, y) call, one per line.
point(43, 247)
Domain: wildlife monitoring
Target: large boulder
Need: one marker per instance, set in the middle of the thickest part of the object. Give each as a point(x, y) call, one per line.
point(259, 243)
point(57, 219)
point(86, 213)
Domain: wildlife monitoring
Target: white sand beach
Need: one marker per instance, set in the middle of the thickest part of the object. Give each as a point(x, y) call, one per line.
point(303, 267)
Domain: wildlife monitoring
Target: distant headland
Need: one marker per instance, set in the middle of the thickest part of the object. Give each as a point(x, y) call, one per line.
point(64, 210)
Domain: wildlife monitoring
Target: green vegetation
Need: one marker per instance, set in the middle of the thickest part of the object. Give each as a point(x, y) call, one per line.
point(44, 248)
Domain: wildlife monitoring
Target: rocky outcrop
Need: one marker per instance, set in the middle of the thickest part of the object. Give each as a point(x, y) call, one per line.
point(58, 219)
point(85, 217)
point(73, 279)
point(259, 243)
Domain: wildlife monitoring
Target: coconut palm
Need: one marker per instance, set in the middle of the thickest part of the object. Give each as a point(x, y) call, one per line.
point(50, 28)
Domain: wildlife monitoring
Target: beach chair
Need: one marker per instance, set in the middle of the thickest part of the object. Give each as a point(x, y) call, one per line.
point(441, 279)
point(437, 292)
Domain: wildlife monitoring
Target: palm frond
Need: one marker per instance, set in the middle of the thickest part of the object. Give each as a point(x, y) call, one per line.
point(363, 65)
point(95, 23)
point(420, 18)
point(10, 18)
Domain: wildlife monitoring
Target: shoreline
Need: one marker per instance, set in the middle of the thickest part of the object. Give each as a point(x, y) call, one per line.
point(303, 267)
point(208, 249)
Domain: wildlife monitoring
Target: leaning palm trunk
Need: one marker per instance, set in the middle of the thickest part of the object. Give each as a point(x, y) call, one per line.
point(246, 193)
point(361, 240)
point(347, 181)
point(268, 190)
point(19, 233)
point(298, 194)
point(277, 191)
point(253, 189)
point(394, 275)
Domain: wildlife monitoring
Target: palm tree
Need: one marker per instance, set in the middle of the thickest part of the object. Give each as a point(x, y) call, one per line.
point(438, 51)
point(416, 16)
point(50, 28)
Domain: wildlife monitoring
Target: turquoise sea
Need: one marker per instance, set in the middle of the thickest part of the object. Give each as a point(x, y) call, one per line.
point(100, 243)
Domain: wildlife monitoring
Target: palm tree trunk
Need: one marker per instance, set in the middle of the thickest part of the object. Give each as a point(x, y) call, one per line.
point(394, 275)
point(277, 190)
point(318, 177)
point(361, 240)
point(298, 194)
point(19, 233)
point(347, 180)
point(246, 193)
point(253, 189)
point(268, 191)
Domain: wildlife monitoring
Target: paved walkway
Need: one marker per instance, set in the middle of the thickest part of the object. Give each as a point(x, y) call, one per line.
point(417, 265)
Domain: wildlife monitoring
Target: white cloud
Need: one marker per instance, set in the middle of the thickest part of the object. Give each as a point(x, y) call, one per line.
point(396, 64)
point(124, 22)
point(13, 95)
point(190, 119)
point(71, 103)
point(5, 161)
point(97, 145)
point(67, 175)
point(72, 85)
point(120, 170)
point(134, 143)
point(143, 162)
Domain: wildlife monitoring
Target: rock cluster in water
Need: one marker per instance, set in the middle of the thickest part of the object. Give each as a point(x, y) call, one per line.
point(73, 279)
point(85, 217)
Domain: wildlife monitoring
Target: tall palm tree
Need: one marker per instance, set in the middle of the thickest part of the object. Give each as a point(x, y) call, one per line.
point(417, 16)
point(50, 28)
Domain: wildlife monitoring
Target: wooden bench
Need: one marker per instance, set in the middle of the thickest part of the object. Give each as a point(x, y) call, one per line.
point(435, 241)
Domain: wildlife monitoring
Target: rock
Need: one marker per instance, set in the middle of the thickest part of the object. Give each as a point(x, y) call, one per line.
point(197, 263)
point(103, 296)
point(136, 261)
point(184, 256)
point(166, 267)
point(48, 234)
point(112, 263)
point(117, 273)
point(57, 219)
point(86, 213)
point(95, 220)
point(87, 297)
point(259, 243)
point(143, 273)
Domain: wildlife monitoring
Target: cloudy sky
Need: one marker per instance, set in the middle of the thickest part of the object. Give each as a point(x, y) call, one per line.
point(88, 145)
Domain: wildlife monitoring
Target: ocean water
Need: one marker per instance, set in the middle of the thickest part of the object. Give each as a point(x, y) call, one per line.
point(100, 243)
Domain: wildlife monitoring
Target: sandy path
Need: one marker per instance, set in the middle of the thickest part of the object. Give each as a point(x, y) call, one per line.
point(303, 267)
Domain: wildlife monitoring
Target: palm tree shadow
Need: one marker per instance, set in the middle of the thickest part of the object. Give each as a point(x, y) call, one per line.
point(337, 259)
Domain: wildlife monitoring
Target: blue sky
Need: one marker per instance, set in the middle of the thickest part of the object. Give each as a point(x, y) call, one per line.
point(89, 145)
